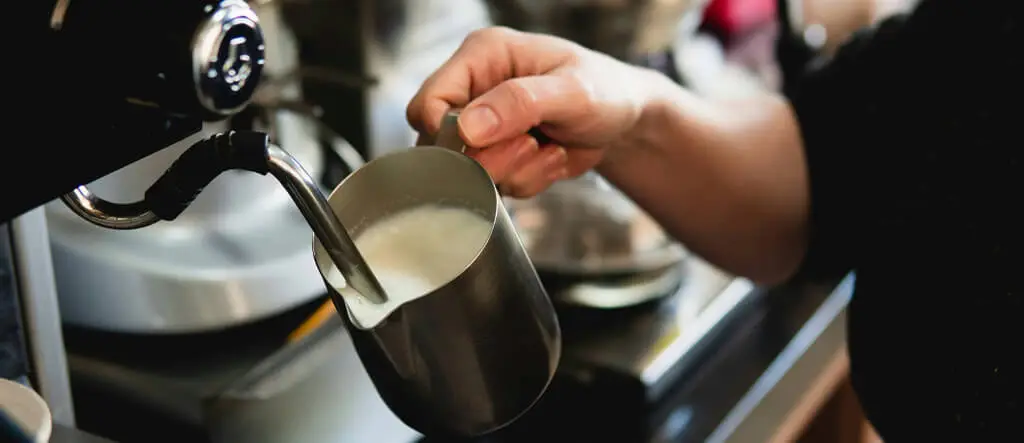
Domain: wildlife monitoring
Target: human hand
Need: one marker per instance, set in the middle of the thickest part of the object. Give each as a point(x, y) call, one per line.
point(509, 82)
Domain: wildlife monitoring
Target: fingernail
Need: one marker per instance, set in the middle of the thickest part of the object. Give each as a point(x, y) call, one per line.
point(478, 122)
point(556, 156)
point(559, 174)
point(526, 148)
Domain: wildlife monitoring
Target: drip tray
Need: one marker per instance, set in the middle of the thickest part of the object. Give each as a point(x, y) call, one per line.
point(618, 292)
point(653, 343)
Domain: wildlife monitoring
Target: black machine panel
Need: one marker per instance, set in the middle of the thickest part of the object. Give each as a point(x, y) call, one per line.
point(107, 82)
point(13, 357)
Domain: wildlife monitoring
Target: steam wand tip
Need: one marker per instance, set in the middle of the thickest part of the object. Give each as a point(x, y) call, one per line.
point(326, 226)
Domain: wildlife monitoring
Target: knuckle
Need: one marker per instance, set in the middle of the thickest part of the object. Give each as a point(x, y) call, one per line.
point(414, 116)
point(584, 89)
point(518, 186)
point(417, 115)
point(535, 189)
point(490, 34)
point(522, 100)
point(413, 111)
point(475, 36)
point(524, 187)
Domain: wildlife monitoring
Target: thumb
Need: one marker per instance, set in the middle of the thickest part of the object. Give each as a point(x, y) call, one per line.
point(515, 106)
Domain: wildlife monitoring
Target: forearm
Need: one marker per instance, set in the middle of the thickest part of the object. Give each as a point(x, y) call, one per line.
point(725, 178)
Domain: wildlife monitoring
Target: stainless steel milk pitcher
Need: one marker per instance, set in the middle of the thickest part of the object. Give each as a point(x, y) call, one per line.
point(462, 360)
point(473, 355)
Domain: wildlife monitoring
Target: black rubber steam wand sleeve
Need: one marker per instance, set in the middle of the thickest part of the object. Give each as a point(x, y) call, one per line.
point(179, 186)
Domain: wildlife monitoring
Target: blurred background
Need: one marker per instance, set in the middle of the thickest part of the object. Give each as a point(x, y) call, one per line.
point(214, 328)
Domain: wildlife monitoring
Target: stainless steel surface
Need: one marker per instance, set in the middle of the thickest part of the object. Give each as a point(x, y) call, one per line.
point(448, 135)
point(347, 154)
point(105, 214)
point(249, 391)
point(586, 227)
point(473, 355)
point(227, 58)
point(654, 348)
point(322, 394)
point(622, 292)
point(293, 361)
point(656, 371)
point(329, 231)
point(31, 255)
point(239, 253)
point(623, 29)
point(183, 278)
point(768, 404)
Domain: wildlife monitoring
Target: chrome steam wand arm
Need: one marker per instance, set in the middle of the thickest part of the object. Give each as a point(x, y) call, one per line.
point(326, 226)
point(175, 190)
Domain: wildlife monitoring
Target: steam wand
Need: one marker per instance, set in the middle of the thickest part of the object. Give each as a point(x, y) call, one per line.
point(178, 187)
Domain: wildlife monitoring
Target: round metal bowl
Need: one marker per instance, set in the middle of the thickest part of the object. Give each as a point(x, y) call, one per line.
point(587, 228)
point(621, 28)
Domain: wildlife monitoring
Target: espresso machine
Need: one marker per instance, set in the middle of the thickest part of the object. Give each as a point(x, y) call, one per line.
point(237, 255)
point(140, 81)
point(113, 82)
point(109, 75)
point(192, 330)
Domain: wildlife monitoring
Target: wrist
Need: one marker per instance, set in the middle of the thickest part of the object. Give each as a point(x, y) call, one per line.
point(658, 99)
point(658, 96)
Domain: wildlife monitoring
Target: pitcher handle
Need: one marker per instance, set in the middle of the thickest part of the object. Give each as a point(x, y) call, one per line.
point(448, 136)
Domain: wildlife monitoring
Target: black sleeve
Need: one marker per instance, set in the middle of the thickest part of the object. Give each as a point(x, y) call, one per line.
point(910, 128)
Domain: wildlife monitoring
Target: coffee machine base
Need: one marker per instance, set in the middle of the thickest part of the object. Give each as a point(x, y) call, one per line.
point(252, 384)
point(185, 279)
point(240, 253)
point(246, 384)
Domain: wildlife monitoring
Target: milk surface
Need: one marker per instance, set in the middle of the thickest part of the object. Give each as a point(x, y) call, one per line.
point(412, 253)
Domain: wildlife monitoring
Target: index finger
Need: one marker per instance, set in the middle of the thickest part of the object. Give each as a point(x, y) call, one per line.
point(486, 58)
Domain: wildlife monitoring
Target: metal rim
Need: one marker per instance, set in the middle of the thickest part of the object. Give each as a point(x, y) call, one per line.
point(670, 255)
point(627, 292)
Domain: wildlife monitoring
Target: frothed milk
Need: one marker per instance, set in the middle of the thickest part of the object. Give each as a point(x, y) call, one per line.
point(414, 252)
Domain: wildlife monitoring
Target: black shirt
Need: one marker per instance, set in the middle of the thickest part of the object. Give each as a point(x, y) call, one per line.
point(913, 138)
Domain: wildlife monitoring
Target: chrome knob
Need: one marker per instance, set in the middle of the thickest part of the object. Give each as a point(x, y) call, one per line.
point(227, 57)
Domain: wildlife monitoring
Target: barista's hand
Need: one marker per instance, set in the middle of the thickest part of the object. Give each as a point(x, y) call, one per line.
point(509, 82)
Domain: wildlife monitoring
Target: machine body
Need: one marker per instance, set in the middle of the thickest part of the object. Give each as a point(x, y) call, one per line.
point(116, 80)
